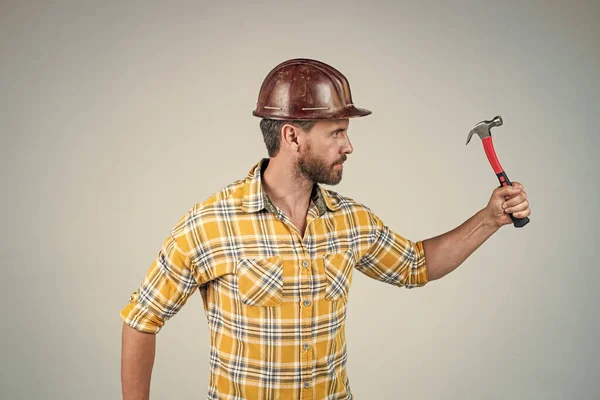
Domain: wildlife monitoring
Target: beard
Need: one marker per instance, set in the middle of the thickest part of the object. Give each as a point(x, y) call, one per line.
point(316, 170)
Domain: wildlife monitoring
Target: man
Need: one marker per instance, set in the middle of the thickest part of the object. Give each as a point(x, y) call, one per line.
point(273, 254)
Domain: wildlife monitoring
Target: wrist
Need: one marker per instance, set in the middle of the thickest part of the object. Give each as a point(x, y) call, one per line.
point(488, 220)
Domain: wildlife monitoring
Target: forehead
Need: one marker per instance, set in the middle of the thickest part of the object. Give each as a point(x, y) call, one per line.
point(332, 125)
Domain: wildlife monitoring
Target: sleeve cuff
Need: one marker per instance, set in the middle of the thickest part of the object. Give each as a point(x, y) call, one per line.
point(421, 275)
point(140, 318)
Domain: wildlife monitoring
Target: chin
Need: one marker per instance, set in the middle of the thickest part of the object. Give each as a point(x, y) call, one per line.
point(335, 180)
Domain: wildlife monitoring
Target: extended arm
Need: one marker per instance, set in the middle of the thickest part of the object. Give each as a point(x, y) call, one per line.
point(444, 253)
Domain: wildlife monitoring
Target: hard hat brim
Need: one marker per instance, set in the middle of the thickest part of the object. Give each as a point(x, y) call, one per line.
point(348, 112)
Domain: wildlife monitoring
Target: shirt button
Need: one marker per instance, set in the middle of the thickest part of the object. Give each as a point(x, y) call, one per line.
point(305, 264)
point(307, 303)
point(306, 385)
point(306, 346)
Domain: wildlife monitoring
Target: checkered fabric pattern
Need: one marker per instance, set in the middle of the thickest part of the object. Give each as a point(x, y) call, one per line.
point(275, 302)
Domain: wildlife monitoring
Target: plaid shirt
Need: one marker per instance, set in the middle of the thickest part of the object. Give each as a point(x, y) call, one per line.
point(275, 301)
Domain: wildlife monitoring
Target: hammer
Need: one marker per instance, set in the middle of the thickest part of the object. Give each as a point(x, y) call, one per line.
point(483, 130)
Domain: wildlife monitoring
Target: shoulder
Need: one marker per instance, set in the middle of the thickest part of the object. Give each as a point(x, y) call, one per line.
point(230, 197)
point(347, 204)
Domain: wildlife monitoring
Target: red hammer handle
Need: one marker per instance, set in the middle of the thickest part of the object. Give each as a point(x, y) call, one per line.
point(488, 146)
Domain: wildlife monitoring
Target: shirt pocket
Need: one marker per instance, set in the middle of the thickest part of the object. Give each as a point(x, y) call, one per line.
point(260, 281)
point(338, 274)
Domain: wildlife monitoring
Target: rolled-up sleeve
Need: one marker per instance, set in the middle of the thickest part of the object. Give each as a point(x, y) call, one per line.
point(392, 259)
point(165, 288)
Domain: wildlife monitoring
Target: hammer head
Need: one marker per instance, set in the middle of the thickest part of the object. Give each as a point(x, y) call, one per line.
point(483, 128)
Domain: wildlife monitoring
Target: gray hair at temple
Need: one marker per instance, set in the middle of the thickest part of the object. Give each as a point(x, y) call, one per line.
point(271, 130)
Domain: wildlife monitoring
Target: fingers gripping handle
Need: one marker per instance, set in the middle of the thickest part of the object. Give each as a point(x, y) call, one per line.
point(488, 146)
point(517, 222)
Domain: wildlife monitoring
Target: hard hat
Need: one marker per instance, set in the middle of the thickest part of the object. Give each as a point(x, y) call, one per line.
point(305, 89)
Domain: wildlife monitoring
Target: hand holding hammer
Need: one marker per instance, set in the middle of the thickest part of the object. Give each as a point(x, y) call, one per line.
point(515, 204)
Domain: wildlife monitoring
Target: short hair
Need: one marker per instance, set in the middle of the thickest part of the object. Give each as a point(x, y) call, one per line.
point(271, 130)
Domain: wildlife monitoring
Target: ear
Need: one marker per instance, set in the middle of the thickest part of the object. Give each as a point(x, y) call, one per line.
point(290, 137)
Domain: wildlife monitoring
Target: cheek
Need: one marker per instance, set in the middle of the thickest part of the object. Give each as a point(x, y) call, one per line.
point(327, 151)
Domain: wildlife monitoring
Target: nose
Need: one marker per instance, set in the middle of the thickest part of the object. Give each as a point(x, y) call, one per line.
point(348, 149)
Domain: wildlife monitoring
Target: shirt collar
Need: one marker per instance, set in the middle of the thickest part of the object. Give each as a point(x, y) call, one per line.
point(255, 197)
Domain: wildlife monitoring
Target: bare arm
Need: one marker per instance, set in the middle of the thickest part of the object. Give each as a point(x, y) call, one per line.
point(444, 253)
point(137, 359)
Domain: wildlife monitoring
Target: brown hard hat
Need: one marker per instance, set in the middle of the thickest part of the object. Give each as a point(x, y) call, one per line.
point(307, 90)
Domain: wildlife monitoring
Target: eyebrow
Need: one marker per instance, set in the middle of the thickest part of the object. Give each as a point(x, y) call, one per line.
point(337, 130)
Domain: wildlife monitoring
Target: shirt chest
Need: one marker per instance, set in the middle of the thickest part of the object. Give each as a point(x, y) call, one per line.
point(264, 262)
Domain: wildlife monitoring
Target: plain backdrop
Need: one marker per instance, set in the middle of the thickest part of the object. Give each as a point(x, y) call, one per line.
point(116, 117)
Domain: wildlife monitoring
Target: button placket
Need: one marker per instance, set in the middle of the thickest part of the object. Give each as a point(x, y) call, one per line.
point(306, 315)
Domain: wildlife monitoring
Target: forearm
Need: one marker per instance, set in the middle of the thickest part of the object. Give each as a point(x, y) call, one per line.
point(137, 360)
point(444, 253)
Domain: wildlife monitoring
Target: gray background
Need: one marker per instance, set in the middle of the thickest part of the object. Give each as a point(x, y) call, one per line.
point(116, 117)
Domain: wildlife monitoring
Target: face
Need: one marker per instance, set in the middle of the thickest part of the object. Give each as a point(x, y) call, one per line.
point(325, 148)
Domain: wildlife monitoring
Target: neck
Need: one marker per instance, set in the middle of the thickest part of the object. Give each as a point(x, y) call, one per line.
point(287, 189)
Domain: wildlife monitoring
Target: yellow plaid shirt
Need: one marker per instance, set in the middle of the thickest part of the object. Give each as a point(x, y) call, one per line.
point(275, 302)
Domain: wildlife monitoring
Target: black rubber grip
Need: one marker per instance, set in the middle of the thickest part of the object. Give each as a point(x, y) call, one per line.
point(504, 181)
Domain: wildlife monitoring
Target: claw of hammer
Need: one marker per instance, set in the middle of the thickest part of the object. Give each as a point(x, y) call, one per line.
point(482, 129)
